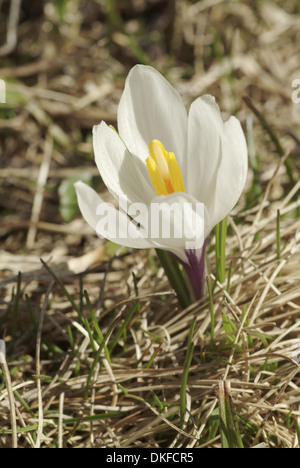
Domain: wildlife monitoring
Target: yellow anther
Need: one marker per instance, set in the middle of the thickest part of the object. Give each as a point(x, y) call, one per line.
point(163, 170)
point(156, 179)
point(175, 174)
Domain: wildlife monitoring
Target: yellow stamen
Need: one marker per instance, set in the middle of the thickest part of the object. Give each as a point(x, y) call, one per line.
point(163, 170)
point(156, 179)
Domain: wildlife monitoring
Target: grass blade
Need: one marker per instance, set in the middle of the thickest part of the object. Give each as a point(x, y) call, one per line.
point(230, 436)
point(298, 432)
point(212, 313)
point(186, 367)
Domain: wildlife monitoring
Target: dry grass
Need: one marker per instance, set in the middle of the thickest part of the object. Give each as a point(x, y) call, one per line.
point(63, 76)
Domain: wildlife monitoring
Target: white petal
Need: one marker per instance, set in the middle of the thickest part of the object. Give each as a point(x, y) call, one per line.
point(115, 225)
point(121, 172)
point(204, 129)
point(88, 200)
point(107, 221)
point(217, 159)
point(232, 172)
point(180, 221)
point(150, 108)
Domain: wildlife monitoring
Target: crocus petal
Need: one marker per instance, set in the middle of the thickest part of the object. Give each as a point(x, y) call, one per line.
point(116, 226)
point(205, 126)
point(121, 171)
point(232, 172)
point(150, 108)
point(217, 159)
point(180, 219)
point(107, 221)
point(88, 200)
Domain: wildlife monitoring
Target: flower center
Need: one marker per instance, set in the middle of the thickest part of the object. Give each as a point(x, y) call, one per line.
point(163, 170)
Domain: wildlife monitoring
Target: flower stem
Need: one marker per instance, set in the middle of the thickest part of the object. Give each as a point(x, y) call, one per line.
point(195, 269)
point(221, 232)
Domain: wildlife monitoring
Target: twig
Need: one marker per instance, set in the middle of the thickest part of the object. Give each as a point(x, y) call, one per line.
point(38, 199)
point(60, 420)
point(38, 365)
point(11, 35)
point(288, 380)
point(11, 401)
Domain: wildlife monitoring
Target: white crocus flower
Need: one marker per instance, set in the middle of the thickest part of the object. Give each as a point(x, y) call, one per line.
point(160, 154)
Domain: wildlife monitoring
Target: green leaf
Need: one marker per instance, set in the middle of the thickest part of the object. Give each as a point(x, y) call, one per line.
point(230, 436)
point(61, 7)
point(175, 277)
point(298, 432)
point(229, 327)
point(214, 423)
point(68, 206)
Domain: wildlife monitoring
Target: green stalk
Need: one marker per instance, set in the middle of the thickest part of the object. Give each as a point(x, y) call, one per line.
point(97, 356)
point(99, 337)
point(175, 277)
point(220, 249)
point(134, 310)
point(230, 436)
point(298, 432)
point(64, 290)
